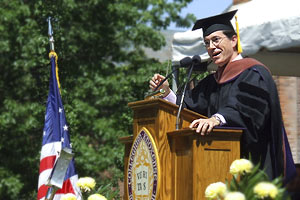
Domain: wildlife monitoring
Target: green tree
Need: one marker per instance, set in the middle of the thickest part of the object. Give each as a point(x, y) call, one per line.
point(102, 67)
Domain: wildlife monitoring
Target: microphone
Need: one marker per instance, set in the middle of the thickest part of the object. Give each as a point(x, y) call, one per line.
point(198, 65)
point(196, 60)
point(185, 62)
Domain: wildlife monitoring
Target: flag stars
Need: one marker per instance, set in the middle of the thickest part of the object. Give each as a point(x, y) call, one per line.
point(62, 139)
point(44, 133)
point(60, 110)
point(66, 128)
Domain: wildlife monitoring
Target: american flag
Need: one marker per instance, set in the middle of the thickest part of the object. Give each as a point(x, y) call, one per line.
point(55, 138)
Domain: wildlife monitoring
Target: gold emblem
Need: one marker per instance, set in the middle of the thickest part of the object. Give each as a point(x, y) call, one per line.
point(143, 168)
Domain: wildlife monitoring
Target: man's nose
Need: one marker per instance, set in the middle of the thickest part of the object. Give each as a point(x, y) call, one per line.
point(210, 45)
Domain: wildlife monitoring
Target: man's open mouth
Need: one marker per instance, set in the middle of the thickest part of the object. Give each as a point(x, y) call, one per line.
point(216, 54)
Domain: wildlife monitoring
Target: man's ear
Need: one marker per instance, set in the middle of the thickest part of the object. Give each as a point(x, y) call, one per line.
point(234, 41)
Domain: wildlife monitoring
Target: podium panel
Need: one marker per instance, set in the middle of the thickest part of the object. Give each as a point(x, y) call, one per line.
point(202, 160)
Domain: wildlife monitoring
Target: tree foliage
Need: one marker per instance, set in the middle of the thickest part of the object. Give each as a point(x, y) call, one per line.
point(102, 67)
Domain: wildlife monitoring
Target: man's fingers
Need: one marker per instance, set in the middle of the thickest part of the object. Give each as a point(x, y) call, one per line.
point(192, 125)
point(200, 127)
point(152, 84)
point(203, 126)
point(210, 129)
point(157, 78)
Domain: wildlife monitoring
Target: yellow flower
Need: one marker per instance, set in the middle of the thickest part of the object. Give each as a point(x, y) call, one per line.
point(265, 189)
point(215, 190)
point(86, 183)
point(96, 197)
point(241, 166)
point(69, 196)
point(235, 196)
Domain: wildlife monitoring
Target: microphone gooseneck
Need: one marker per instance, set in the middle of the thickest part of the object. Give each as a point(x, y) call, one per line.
point(195, 60)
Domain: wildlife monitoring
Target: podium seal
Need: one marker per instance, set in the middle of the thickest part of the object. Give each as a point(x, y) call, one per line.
point(143, 174)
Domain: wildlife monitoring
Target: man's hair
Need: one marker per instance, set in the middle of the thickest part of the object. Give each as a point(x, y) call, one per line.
point(229, 33)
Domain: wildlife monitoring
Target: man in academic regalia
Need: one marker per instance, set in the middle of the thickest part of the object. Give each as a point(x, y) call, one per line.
point(241, 93)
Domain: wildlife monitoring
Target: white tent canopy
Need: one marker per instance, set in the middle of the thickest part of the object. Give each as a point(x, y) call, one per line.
point(269, 31)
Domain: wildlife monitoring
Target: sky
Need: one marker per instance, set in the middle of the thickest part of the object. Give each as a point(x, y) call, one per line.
point(204, 8)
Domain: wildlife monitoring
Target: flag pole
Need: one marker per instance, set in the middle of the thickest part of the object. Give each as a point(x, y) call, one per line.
point(50, 34)
point(52, 189)
point(57, 167)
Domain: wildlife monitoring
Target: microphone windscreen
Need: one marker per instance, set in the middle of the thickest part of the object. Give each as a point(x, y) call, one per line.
point(185, 62)
point(196, 59)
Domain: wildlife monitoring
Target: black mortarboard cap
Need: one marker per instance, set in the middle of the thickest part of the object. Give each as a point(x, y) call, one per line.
point(215, 23)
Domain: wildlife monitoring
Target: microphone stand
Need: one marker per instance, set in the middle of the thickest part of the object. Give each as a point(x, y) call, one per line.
point(182, 96)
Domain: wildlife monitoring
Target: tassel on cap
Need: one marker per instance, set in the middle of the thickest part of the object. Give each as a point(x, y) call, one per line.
point(239, 46)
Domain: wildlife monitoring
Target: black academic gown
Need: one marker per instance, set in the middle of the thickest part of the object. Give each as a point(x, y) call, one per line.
point(249, 100)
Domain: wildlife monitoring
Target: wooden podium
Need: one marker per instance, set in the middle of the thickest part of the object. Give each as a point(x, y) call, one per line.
point(189, 162)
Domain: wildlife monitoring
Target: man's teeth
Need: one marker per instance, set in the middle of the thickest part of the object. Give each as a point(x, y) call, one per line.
point(216, 54)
